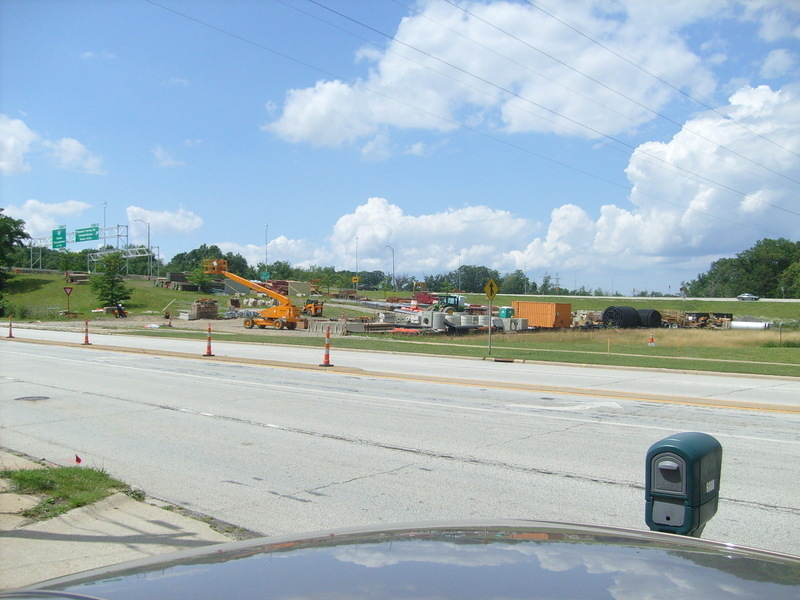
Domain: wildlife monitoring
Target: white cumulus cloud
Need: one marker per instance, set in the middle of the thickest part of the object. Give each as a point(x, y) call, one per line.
point(426, 243)
point(161, 222)
point(727, 204)
point(16, 140)
point(713, 189)
point(778, 63)
point(166, 159)
point(507, 65)
point(42, 217)
point(70, 154)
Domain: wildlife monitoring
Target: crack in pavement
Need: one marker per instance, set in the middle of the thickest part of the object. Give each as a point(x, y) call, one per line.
point(416, 451)
point(352, 479)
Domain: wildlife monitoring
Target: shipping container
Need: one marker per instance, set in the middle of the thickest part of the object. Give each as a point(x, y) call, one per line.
point(547, 315)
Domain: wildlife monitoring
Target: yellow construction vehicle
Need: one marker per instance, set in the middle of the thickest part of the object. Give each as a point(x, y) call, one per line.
point(313, 307)
point(283, 315)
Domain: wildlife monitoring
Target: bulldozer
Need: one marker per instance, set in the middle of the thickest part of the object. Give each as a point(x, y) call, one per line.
point(284, 315)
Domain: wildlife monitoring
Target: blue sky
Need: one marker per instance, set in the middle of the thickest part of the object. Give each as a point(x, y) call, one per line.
point(618, 145)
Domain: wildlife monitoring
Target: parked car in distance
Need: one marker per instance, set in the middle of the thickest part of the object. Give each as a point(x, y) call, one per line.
point(750, 297)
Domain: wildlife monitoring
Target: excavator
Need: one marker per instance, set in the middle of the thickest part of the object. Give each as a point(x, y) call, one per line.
point(284, 315)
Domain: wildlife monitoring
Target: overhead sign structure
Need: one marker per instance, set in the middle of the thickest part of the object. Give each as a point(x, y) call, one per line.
point(60, 238)
point(491, 288)
point(87, 234)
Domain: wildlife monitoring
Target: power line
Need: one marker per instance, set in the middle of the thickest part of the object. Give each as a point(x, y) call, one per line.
point(556, 113)
point(619, 55)
point(589, 99)
point(456, 124)
point(609, 88)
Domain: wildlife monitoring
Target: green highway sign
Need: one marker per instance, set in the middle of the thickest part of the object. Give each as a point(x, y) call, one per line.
point(87, 234)
point(59, 238)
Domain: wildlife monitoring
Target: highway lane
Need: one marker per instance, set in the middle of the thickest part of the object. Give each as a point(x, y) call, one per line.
point(279, 450)
point(602, 380)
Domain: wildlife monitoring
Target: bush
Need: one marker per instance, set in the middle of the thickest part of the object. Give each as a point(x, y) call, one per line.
point(782, 344)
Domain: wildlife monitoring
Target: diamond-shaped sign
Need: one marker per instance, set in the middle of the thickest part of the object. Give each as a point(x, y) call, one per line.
point(491, 288)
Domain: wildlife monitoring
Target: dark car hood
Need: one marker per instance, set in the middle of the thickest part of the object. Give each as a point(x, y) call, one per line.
point(508, 559)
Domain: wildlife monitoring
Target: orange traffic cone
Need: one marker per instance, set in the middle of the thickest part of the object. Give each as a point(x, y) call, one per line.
point(326, 357)
point(651, 341)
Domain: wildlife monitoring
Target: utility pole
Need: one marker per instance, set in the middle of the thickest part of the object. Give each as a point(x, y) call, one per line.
point(394, 281)
point(266, 245)
point(459, 270)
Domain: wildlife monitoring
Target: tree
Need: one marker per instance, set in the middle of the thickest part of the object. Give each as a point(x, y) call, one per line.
point(237, 264)
point(109, 286)
point(474, 277)
point(547, 286)
point(515, 283)
point(371, 279)
point(187, 261)
point(404, 282)
point(758, 270)
point(281, 269)
point(439, 283)
point(790, 281)
point(12, 233)
point(763, 264)
point(199, 278)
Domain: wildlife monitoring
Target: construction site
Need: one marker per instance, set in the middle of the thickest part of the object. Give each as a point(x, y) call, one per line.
point(292, 305)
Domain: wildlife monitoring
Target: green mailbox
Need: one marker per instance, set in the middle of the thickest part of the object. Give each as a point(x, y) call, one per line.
point(682, 475)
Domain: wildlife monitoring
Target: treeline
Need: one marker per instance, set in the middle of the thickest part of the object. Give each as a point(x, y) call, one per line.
point(467, 278)
point(771, 268)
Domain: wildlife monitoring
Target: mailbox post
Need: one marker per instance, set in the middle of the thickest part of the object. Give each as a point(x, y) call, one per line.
point(682, 475)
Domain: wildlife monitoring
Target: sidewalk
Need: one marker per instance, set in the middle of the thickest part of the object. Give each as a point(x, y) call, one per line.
point(114, 530)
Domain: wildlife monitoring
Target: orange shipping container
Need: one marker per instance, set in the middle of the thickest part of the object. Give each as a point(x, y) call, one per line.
point(548, 315)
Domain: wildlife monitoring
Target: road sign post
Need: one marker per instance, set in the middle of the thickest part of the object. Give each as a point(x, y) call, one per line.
point(491, 288)
point(68, 292)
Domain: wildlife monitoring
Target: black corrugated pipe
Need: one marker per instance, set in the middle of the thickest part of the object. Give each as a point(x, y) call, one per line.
point(621, 317)
point(650, 317)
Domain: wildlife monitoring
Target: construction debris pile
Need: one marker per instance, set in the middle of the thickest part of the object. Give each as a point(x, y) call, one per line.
point(176, 281)
point(448, 313)
point(205, 308)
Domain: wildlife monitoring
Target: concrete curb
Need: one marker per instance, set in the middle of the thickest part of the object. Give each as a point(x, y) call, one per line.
point(114, 530)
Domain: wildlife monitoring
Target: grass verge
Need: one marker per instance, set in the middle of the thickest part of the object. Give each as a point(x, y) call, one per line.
point(64, 488)
point(753, 352)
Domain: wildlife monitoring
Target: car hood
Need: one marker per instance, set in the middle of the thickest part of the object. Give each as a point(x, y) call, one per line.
point(464, 560)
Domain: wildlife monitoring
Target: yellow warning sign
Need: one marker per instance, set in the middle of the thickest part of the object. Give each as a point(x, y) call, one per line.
point(491, 288)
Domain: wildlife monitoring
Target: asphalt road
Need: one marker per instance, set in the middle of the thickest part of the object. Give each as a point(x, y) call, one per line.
point(281, 447)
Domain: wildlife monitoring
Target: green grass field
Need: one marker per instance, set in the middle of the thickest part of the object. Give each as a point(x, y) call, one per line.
point(770, 352)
